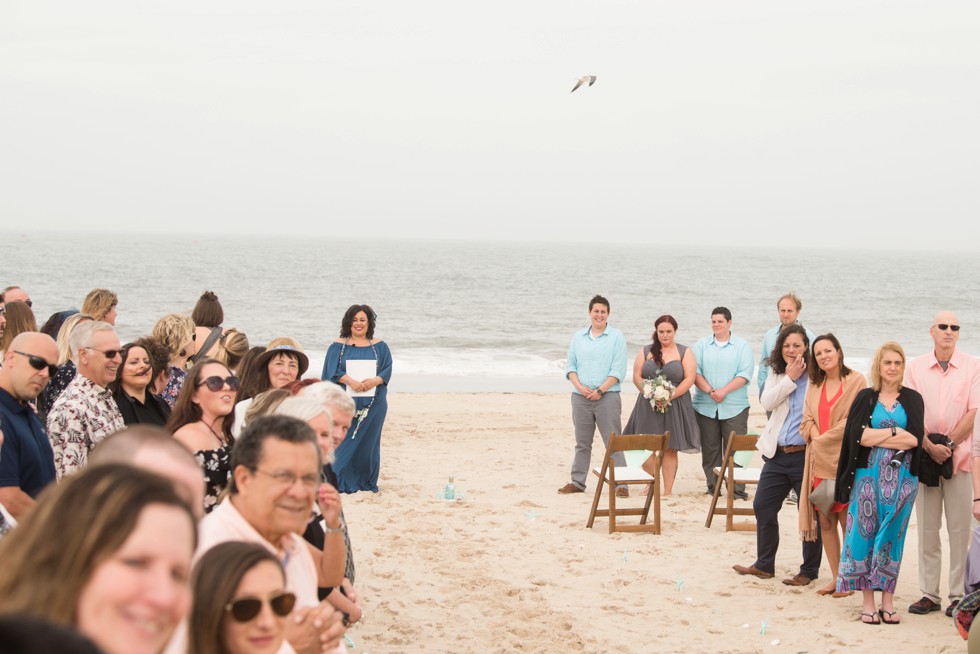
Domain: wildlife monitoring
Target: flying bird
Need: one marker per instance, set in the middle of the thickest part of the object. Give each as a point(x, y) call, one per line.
point(582, 80)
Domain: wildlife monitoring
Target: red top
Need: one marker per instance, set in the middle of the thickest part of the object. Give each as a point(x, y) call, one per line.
point(823, 419)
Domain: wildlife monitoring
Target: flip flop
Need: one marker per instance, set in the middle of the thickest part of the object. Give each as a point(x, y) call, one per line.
point(883, 613)
point(875, 620)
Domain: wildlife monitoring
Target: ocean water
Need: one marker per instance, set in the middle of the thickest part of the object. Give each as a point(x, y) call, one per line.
point(493, 316)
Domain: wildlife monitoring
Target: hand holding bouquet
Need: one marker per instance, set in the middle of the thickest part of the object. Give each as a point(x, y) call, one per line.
point(659, 391)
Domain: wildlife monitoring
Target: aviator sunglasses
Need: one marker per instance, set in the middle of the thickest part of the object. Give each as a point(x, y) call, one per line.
point(246, 608)
point(215, 383)
point(38, 363)
point(943, 327)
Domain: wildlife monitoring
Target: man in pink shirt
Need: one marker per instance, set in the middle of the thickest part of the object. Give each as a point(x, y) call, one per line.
point(949, 382)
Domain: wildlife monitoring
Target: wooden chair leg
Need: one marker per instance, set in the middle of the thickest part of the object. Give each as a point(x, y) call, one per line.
point(598, 493)
point(714, 497)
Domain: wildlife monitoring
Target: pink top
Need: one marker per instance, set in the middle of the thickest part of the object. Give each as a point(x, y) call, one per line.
point(948, 395)
point(823, 411)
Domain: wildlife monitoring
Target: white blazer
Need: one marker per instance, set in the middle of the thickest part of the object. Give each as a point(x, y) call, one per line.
point(774, 397)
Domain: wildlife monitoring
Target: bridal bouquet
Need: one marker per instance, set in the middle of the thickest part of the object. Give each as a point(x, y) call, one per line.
point(659, 391)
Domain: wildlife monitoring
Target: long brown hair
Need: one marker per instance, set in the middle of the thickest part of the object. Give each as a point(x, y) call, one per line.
point(656, 348)
point(187, 411)
point(213, 583)
point(44, 574)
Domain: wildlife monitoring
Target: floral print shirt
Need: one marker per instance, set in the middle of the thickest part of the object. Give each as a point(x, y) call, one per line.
point(216, 465)
point(83, 415)
point(55, 387)
point(174, 384)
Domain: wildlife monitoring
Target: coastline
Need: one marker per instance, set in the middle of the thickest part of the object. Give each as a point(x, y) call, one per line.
point(512, 567)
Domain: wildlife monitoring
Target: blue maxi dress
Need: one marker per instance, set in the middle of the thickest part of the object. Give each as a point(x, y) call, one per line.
point(357, 460)
point(879, 513)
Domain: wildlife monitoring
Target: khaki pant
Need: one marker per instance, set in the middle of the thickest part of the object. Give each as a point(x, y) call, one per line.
point(954, 498)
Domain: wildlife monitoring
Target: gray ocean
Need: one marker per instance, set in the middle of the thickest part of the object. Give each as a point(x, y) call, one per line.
point(493, 316)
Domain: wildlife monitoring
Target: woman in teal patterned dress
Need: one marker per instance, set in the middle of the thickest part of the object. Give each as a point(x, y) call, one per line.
point(357, 460)
point(877, 476)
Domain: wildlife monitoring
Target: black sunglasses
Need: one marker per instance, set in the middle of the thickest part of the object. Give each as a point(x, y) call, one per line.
point(943, 327)
point(246, 608)
point(215, 383)
point(38, 363)
point(109, 354)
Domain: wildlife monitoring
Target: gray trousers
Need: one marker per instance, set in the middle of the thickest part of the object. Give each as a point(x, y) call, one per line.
point(606, 414)
point(714, 440)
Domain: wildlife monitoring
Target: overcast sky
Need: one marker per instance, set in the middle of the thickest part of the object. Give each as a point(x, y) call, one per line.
point(834, 123)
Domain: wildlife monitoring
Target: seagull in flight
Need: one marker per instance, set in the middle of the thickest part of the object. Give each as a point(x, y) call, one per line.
point(590, 79)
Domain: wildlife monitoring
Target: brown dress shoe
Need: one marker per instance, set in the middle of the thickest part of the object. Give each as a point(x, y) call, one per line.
point(798, 580)
point(570, 488)
point(622, 491)
point(752, 570)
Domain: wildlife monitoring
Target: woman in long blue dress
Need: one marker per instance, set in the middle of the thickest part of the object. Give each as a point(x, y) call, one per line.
point(879, 461)
point(357, 460)
point(676, 363)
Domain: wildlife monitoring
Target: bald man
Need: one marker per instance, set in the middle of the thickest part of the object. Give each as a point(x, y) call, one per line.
point(26, 457)
point(949, 382)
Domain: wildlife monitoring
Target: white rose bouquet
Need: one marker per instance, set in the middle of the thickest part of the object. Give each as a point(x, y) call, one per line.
point(659, 391)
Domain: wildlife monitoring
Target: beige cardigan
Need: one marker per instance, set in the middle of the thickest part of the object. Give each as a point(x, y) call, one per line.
point(823, 450)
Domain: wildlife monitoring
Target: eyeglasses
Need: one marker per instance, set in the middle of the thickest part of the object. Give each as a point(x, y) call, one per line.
point(244, 609)
point(109, 354)
point(288, 478)
point(38, 363)
point(215, 383)
point(943, 327)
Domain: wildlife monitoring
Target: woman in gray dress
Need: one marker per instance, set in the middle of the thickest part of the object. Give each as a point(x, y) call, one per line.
point(676, 363)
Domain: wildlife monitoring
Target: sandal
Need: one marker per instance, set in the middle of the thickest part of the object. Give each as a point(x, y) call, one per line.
point(872, 618)
point(891, 614)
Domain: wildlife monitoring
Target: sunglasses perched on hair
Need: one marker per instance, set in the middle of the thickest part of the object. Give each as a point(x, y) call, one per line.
point(246, 608)
point(38, 363)
point(943, 327)
point(215, 383)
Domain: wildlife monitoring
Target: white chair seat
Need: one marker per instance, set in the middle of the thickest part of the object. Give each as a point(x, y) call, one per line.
point(624, 474)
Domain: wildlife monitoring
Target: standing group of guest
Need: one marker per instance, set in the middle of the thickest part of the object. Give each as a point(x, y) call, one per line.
point(857, 456)
point(76, 402)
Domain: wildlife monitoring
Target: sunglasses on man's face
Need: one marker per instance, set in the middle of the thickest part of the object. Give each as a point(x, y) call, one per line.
point(215, 383)
point(108, 354)
point(38, 363)
point(943, 327)
point(247, 608)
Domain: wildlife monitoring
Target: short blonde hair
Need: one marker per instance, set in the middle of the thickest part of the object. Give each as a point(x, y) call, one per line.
point(99, 302)
point(64, 335)
point(888, 346)
point(174, 330)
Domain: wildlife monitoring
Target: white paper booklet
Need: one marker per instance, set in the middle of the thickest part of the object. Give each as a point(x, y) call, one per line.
point(360, 369)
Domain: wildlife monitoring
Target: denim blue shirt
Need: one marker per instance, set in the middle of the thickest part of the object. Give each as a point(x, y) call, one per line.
point(790, 432)
point(596, 359)
point(720, 365)
point(768, 342)
point(26, 459)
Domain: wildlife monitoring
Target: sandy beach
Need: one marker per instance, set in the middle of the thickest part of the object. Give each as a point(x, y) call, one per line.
point(512, 566)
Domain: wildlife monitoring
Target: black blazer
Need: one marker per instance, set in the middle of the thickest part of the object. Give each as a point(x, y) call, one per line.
point(853, 455)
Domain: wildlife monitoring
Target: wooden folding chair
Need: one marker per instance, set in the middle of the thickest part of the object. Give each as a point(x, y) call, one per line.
point(612, 476)
point(731, 475)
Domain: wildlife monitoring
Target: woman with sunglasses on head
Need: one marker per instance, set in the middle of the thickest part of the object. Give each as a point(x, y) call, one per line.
point(176, 332)
point(201, 422)
point(240, 602)
point(358, 458)
point(142, 362)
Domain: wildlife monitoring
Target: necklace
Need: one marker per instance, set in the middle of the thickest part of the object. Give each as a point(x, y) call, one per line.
point(361, 415)
point(221, 440)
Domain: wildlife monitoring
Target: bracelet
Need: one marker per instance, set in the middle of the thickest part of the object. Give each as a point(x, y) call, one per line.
point(894, 431)
point(334, 530)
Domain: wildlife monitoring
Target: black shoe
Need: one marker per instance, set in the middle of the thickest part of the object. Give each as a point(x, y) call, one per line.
point(951, 609)
point(741, 495)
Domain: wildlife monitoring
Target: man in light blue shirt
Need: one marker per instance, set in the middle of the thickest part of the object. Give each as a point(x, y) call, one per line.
point(789, 307)
point(721, 404)
point(596, 366)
